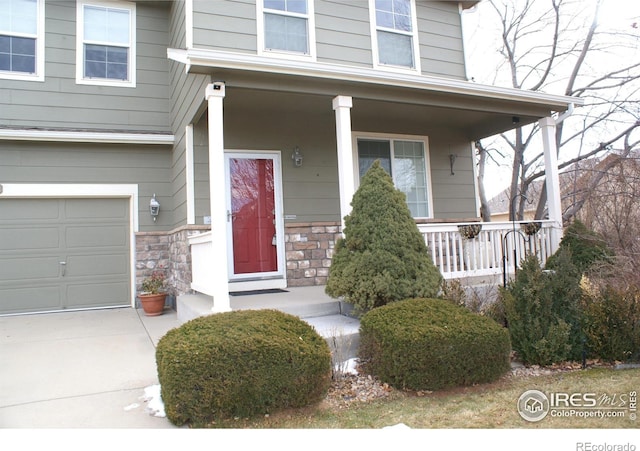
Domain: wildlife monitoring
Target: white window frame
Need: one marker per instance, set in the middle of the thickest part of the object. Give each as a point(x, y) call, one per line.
point(39, 37)
point(311, 32)
point(80, 78)
point(414, 40)
point(393, 137)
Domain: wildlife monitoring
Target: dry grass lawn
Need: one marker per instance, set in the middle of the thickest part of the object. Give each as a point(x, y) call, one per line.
point(486, 406)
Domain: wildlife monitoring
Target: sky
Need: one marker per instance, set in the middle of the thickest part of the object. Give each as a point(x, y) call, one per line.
point(482, 46)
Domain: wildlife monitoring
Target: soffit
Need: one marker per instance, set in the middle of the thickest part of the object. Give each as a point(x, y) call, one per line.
point(474, 116)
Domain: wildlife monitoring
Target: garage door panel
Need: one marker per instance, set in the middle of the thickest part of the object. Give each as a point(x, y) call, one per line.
point(17, 270)
point(97, 236)
point(97, 295)
point(22, 210)
point(92, 238)
point(30, 299)
point(29, 238)
point(104, 265)
point(93, 209)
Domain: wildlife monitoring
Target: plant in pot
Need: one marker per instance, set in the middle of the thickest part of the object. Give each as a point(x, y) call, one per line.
point(153, 294)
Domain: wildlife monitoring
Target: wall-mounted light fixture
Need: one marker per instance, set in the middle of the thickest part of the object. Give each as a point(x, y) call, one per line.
point(452, 160)
point(297, 157)
point(154, 207)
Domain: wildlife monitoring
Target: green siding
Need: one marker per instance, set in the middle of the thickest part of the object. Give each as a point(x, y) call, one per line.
point(59, 102)
point(256, 120)
point(225, 25)
point(440, 38)
point(146, 166)
point(343, 32)
point(187, 105)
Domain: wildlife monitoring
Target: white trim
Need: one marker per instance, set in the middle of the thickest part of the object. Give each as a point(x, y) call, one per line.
point(414, 40)
point(189, 174)
point(552, 181)
point(283, 54)
point(62, 190)
point(250, 285)
point(219, 276)
point(395, 137)
point(344, 148)
point(91, 137)
point(131, 64)
point(188, 23)
point(40, 50)
point(281, 272)
point(258, 63)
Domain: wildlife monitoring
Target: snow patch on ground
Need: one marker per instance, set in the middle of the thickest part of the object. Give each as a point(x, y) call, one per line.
point(347, 367)
point(155, 406)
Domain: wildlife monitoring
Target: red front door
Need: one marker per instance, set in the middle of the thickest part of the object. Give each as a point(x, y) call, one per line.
point(253, 215)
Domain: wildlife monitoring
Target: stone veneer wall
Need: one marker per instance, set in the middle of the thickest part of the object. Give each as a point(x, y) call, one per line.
point(169, 251)
point(309, 249)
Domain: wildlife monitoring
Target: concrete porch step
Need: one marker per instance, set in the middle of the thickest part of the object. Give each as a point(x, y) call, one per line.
point(341, 333)
point(307, 303)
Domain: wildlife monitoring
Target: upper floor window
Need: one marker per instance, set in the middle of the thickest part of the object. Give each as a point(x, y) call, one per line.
point(406, 161)
point(22, 39)
point(106, 43)
point(286, 27)
point(394, 32)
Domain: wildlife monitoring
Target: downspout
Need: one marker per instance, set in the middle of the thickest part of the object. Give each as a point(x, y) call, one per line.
point(566, 114)
point(462, 11)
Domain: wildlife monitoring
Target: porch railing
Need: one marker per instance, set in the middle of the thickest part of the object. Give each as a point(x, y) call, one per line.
point(201, 262)
point(498, 247)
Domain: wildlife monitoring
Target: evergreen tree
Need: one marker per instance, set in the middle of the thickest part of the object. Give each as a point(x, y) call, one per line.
point(383, 257)
point(586, 247)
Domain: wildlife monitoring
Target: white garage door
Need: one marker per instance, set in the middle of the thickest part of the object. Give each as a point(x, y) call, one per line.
point(60, 254)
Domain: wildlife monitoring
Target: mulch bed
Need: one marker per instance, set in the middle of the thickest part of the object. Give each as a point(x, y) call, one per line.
point(350, 389)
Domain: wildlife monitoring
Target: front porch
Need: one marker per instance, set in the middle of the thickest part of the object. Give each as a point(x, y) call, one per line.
point(475, 252)
point(481, 255)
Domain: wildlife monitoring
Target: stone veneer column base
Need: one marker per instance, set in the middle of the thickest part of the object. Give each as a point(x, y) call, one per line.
point(168, 251)
point(309, 250)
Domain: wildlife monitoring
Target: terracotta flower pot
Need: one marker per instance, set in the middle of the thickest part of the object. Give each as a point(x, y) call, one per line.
point(152, 304)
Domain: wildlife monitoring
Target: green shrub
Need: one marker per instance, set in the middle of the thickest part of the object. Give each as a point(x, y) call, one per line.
point(612, 323)
point(428, 344)
point(383, 257)
point(586, 247)
point(241, 363)
point(543, 311)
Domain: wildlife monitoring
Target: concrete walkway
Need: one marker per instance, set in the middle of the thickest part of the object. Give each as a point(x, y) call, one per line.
point(80, 369)
point(89, 369)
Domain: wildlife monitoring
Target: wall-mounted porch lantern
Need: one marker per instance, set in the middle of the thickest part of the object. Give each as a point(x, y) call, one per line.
point(154, 207)
point(297, 157)
point(452, 160)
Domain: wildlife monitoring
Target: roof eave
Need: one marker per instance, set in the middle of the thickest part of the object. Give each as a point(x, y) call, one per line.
point(228, 60)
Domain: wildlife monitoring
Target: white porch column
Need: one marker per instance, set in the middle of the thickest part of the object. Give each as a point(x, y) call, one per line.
point(214, 94)
point(342, 106)
point(552, 182)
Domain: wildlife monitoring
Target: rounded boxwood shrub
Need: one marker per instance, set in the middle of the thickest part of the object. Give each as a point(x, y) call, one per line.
point(241, 364)
point(428, 344)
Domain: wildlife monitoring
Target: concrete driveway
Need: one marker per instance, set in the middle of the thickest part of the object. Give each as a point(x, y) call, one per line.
point(84, 369)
